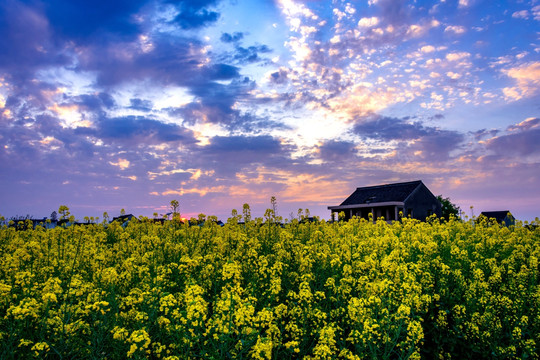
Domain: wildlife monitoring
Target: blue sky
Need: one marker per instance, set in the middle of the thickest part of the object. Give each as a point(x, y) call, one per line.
point(107, 105)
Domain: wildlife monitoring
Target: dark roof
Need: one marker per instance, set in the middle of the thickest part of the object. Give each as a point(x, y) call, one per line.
point(127, 217)
point(382, 193)
point(497, 215)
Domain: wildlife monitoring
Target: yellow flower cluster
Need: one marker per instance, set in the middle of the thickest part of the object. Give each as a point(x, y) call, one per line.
point(139, 340)
point(255, 289)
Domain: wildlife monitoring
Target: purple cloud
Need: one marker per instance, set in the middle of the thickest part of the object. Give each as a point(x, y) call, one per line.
point(280, 76)
point(94, 102)
point(336, 151)
point(81, 20)
point(231, 38)
point(386, 128)
point(523, 143)
point(193, 14)
point(26, 39)
point(250, 54)
point(227, 155)
point(430, 142)
point(137, 130)
point(140, 104)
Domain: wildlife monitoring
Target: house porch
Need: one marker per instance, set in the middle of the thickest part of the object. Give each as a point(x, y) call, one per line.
point(389, 211)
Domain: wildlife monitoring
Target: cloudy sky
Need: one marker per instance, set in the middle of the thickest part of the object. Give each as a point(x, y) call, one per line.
point(130, 104)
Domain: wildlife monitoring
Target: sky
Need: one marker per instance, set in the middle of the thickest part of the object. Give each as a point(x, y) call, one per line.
point(129, 104)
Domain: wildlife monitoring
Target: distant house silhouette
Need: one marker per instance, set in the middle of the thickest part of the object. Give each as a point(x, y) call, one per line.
point(22, 223)
point(410, 198)
point(125, 219)
point(503, 216)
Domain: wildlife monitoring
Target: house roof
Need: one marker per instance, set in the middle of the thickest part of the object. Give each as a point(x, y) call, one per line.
point(125, 216)
point(497, 215)
point(382, 193)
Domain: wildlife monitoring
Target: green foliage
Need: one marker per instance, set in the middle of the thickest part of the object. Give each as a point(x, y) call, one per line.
point(315, 290)
point(448, 208)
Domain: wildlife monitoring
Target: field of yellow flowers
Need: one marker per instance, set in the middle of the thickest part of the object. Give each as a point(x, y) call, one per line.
point(257, 290)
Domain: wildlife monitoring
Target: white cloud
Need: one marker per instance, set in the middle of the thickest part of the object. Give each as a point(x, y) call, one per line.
point(306, 30)
point(368, 22)
point(527, 78)
point(335, 39)
point(523, 14)
point(427, 49)
point(122, 163)
point(349, 9)
point(416, 30)
point(536, 12)
point(527, 124)
point(418, 84)
point(301, 50)
point(340, 14)
point(291, 8)
point(456, 56)
point(458, 30)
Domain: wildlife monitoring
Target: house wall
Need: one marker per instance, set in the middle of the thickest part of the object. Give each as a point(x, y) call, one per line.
point(423, 204)
point(390, 213)
point(509, 220)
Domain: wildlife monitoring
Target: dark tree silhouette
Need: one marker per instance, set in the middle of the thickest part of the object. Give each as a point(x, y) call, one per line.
point(448, 207)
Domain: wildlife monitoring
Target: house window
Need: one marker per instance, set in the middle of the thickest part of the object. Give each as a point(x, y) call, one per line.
point(410, 212)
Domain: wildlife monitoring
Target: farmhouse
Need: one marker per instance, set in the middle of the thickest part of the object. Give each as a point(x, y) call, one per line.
point(125, 219)
point(411, 198)
point(503, 216)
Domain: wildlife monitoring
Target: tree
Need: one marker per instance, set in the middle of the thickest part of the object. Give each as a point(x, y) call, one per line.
point(271, 214)
point(175, 206)
point(63, 210)
point(54, 216)
point(246, 211)
point(448, 208)
point(273, 201)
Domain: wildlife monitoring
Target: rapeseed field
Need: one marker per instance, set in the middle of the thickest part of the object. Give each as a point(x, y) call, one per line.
point(256, 289)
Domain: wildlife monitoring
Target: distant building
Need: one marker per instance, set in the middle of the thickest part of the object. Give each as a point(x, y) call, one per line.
point(125, 219)
point(22, 223)
point(410, 198)
point(158, 220)
point(503, 216)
